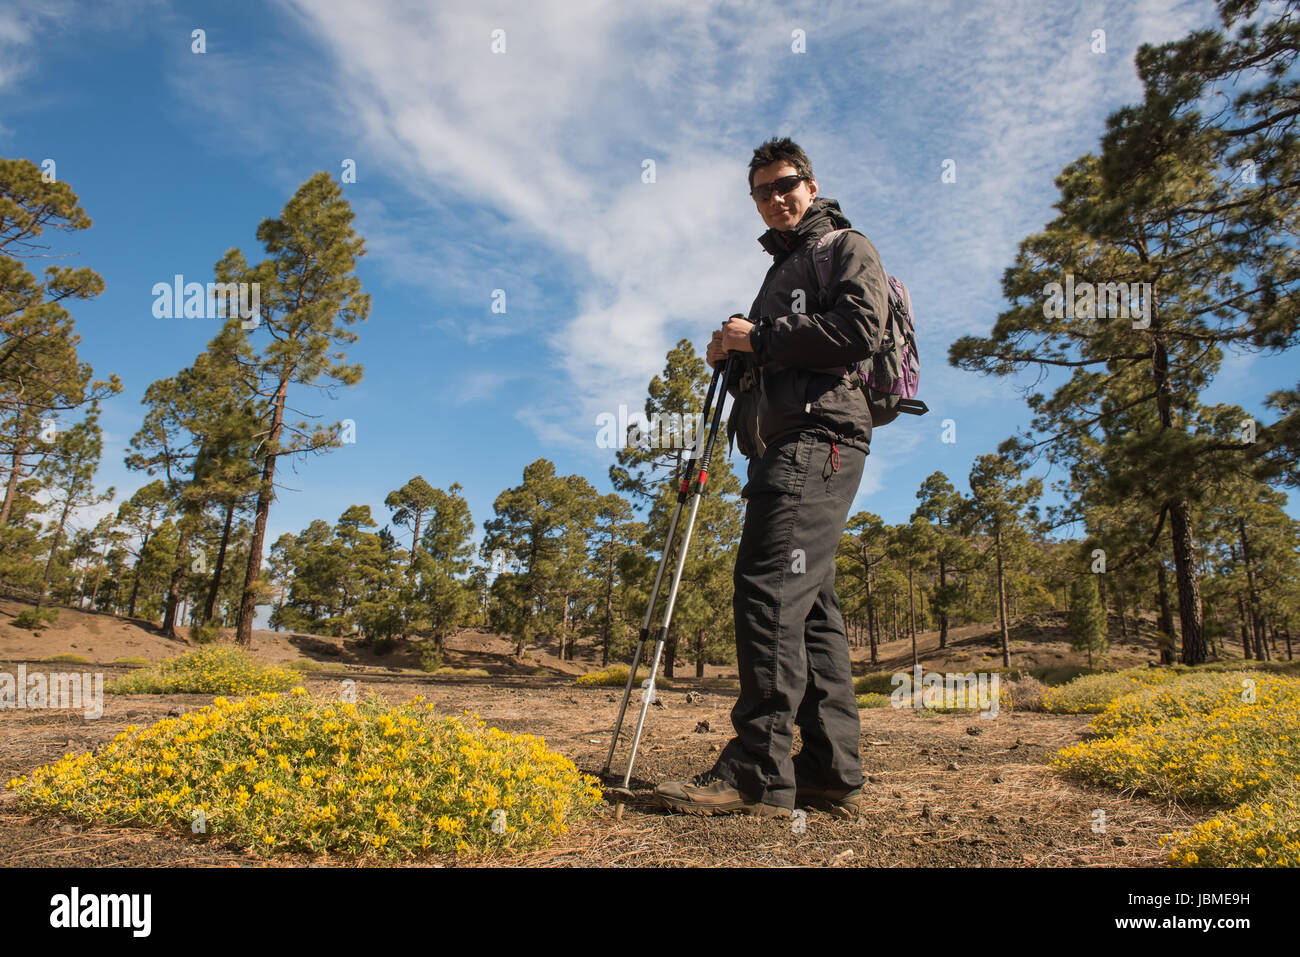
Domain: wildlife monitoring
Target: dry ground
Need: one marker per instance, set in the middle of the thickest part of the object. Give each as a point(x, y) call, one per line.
point(943, 790)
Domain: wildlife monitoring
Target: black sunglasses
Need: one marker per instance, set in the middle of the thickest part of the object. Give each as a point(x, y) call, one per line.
point(783, 185)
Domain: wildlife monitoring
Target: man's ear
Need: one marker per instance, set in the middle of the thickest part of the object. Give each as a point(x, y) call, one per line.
point(812, 188)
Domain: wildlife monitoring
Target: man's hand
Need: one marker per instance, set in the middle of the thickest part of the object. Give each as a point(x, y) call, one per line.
point(732, 337)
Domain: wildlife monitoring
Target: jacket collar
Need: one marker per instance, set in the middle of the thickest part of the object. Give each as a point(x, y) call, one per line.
point(821, 217)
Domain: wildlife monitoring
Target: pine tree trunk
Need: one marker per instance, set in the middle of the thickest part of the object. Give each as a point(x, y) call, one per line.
point(135, 579)
point(174, 585)
point(11, 486)
point(1245, 634)
point(699, 654)
point(943, 611)
point(1256, 612)
point(871, 620)
point(214, 589)
point(1185, 571)
point(564, 627)
point(54, 549)
point(265, 495)
point(670, 651)
point(609, 609)
point(1189, 586)
point(1002, 602)
point(911, 612)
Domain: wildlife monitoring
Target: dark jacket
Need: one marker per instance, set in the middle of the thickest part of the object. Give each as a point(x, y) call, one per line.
point(781, 390)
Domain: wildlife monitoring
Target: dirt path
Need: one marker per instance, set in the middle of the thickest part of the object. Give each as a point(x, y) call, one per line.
point(943, 790)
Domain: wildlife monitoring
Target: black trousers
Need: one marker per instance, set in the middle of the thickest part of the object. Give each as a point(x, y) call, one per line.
point(791, 649)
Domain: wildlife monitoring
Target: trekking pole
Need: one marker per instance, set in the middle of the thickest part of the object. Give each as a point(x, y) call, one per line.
point(659, 574)
point(681, 565)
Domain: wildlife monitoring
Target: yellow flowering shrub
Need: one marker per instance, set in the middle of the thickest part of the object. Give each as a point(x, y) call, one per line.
point(286, 772)
point(1193, 693)
point(1262, 833)
point(616, 675)
point(1090, 694)
point(1197, 740)
point(214, 669)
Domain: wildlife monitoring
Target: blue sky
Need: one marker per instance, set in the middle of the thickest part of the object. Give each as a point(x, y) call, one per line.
point(522, 171)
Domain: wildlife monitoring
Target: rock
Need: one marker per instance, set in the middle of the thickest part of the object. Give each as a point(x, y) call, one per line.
point(973, 730)
point(1121, 840)
point(714, 747)
point(997, 779)
point(925, 812)
point(611, 697)
point(993, 819)
point(175, 711)
point(702, 727)
point(693, 696)
point(951, 767)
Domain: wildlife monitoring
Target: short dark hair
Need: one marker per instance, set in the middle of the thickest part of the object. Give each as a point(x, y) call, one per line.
point(775, 150)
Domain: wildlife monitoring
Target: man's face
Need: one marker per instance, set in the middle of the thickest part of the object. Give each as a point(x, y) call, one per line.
point(783, 210)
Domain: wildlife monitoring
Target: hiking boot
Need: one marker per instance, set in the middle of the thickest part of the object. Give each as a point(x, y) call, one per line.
point(844, 803)
point(709, 794)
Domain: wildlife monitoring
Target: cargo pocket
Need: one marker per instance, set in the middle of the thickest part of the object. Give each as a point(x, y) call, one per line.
point(782, 470)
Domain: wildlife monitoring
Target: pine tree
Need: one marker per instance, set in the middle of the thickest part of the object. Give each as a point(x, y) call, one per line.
point(40, 373)
point(1087, 618)
point(1000, 508)
point(308, 296)
point(863, 546)
point(69, 476)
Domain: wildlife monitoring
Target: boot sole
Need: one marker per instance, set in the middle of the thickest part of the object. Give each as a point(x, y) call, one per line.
point(845, 812)
point(707, 810)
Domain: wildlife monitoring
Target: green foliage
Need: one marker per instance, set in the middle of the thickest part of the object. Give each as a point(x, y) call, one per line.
point(205, 634)
point(68, 657)
point(431, 658)
point(1087, 618)
point(33, 618)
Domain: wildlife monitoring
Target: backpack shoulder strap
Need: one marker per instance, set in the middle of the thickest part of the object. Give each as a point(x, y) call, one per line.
point(822, 257)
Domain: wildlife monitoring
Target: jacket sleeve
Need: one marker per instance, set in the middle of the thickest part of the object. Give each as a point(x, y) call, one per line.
point(854, 325)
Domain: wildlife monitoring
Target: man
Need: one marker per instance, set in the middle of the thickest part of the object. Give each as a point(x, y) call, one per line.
point(805, 429)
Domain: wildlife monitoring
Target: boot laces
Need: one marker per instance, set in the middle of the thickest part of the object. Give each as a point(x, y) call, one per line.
point(705, 779)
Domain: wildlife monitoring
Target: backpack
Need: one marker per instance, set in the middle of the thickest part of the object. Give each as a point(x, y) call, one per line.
point(890, 377)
